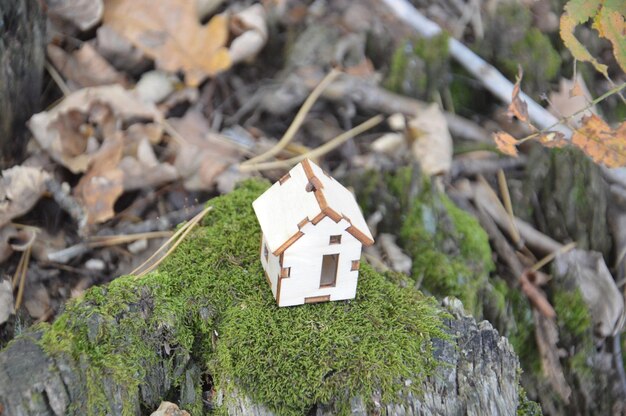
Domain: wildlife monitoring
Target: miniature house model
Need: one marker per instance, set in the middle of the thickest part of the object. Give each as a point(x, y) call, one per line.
point(313, 233)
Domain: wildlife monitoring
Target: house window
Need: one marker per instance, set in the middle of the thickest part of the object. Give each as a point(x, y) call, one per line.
point(265, 252)
point(285, 272)
point(335, 239)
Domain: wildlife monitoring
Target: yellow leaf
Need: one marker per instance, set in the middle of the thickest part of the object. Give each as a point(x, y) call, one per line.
point(610, 25)
point(578, 50)
point(600, 142)
point(169, 32)
point(506, 143)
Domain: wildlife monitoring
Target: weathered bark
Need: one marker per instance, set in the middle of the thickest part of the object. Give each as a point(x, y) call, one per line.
point(22, 39)
point(479, 376)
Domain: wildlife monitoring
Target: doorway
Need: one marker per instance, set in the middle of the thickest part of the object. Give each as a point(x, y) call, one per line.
point(329, 270)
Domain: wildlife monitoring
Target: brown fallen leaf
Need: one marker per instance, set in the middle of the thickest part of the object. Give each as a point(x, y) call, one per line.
point(84, 14)
point(142, 169)
point(204, 155)
point(84, 67)
point(518, 107)
point(103, 183)
point(552, 139)
point(571, 100)
point(601, 143)
point(506, 143)
point(63, 133)
point(432, 143)
point(122, 54)
point(169, 32)
point(20, 189)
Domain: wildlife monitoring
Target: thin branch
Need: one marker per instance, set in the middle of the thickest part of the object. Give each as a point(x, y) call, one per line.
point(297, 121)
point(318, 151)
point(488, 75)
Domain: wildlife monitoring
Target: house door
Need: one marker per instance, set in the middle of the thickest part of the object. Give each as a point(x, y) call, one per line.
point(329, 270)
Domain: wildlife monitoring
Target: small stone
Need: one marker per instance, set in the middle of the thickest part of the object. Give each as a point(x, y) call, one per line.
point(95, 265)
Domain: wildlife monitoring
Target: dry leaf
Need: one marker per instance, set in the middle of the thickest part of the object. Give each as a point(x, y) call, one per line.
point(432, 143)
point(552, 139)
point(20, 189)
point(51, 129)
point(572, 98)
point(204, 155)
point(169, 32)
point(100, 187)
point(518, 107)
point(37, 300)
point(84, 14)
point(84, 67)
point(600, 142)
point(117, 50)
point(506, 143)
point(169, 409)
point(251, 30)
point(143, 170)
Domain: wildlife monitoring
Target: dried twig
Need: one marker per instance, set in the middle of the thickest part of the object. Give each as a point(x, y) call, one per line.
point(489, 76)
point(374, 98)
point(318, 151)
point(176, 239)
point(297, 121)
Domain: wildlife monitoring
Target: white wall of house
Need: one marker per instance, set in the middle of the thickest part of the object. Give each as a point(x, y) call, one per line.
point(304, 257)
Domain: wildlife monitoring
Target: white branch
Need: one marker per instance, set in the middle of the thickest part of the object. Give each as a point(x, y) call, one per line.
point(489, 76)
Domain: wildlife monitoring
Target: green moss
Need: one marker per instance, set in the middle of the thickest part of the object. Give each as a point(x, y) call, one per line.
point(537, 57)
point(527, 407)
point(450, 251)
point(572, 312)
point(210, 300)
point(419, 67)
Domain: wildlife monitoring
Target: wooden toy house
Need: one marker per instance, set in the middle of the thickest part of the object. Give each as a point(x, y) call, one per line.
point(313, 233)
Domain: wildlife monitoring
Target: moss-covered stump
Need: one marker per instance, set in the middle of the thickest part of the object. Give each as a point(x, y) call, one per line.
point(204, 331)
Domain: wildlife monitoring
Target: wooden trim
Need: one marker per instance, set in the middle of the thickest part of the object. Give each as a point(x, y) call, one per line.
point(317, 299)
point(365, 240)
point(333, 215)
point(303, 223)
point(288, 243)
point(356, 264)
point(284, 178)
point(318, 218)
point(278, 287)
point(285, 272)
point(308, 170)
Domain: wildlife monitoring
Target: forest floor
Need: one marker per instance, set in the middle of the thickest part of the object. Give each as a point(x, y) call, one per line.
point(149, 109)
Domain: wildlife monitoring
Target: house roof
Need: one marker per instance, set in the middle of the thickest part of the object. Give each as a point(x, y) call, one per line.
point(306, 194)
